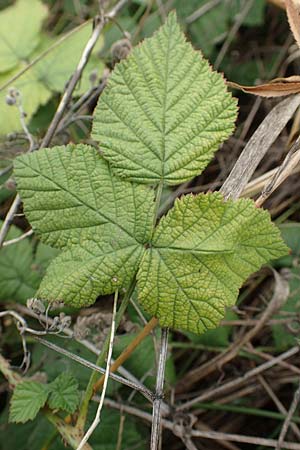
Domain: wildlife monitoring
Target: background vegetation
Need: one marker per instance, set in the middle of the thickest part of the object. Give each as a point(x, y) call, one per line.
point(239, 379)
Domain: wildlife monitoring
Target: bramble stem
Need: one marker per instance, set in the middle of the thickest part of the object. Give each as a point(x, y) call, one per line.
point(129, 350)
point(156, 415)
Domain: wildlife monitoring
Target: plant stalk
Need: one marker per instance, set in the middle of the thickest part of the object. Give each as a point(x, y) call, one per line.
point(156, 415)
point(99, 362)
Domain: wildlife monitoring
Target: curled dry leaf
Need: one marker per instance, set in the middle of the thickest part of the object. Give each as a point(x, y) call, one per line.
point(279, 87)
point(293, 13)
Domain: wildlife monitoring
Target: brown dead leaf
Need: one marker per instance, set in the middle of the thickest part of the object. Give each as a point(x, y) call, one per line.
point(279, 87)
point(293, 13)
point(279, 3)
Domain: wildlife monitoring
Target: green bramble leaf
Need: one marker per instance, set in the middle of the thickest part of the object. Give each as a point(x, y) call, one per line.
point(201, 253)
point(64, 393)
point(100, 222)
point(164, 111)
point(27, 399)
point(19, 31)
point(191, 266)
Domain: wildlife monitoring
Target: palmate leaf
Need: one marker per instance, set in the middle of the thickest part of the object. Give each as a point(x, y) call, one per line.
point(191, 266)
point(189, 271)
point(164, 111)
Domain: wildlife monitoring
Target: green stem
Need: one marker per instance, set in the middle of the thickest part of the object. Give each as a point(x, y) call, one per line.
point(100, 360)
point(68, 433)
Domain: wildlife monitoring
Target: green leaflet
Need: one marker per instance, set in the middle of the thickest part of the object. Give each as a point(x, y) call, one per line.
point(101, 222)
point(19, 31)
point(160, 119)
point(64, 393)
point(27, 399)
point(201, 254)
point(164, 111)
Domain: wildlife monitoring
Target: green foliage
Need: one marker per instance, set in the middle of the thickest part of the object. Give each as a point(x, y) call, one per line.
point(30, 396)
point(212, 27)
point(20, 32)
point(27, 399)
point(35, 435)
point(51, 73)
point(64, 394)
point(152, 129)
point(164, 111)
point(21, 270)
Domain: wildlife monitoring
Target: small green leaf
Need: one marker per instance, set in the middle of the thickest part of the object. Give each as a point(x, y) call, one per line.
point(64, 393)
point(202, 252)
point(27, 399)
point(21, 271)
point(164, 111)
point(101, 222)
point(20, 26)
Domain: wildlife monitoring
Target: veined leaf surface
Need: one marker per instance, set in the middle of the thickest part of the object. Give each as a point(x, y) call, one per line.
point(164, 111)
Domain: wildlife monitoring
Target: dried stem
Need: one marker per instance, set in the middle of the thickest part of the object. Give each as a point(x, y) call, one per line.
point(129, 350)
point(288, 419)
point(97, 418)
point(156, 422)
point(138, 387)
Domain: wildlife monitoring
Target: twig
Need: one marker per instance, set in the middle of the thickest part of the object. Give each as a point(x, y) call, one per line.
point(97, 418)
point(285, 169)
point(258, 145)
point(201, 11)
point(288, 419)
point(138, 387)
point(231, 35)
point(214, 435)
point(6, 170)
point(43, 54)
point(281, 293)
point(240, 380)
point(18, 239)
point(156, 423)
point(278, 403)
point(129, 350)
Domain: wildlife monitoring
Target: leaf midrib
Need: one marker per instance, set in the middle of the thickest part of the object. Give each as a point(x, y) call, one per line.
point(100, 214)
